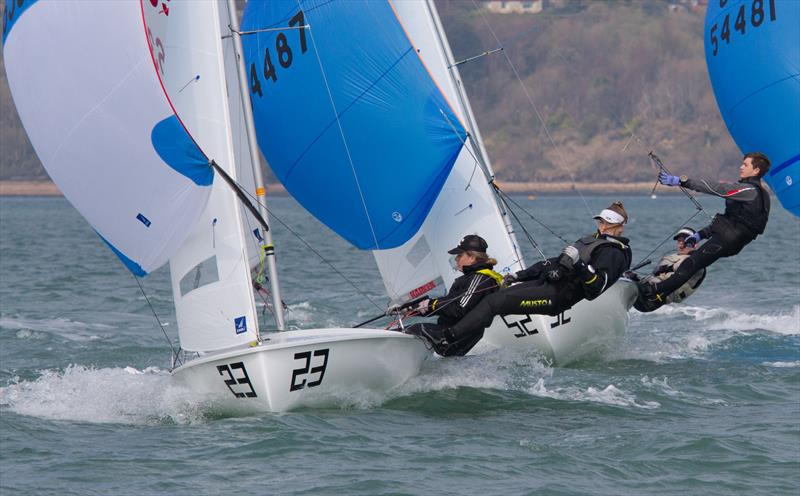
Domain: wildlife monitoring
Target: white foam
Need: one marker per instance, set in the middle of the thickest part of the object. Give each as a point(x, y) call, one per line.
point(107, 395)
point(795, 363)
point(610, 395)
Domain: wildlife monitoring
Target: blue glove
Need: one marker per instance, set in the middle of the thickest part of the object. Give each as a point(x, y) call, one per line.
point(691, 241)
point(668, 180)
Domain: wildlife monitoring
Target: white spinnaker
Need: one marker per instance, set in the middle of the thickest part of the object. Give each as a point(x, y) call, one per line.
point(211, 283)
point(83, 82)
point(466, 204)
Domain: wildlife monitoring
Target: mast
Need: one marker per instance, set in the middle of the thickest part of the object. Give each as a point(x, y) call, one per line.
point(474, 131)
point(247, 108)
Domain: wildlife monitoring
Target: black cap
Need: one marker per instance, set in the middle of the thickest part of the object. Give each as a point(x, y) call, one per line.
point(470, 242)
point(685, 232)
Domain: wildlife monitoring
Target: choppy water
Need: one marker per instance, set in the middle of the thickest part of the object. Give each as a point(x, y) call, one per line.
point(702, 398)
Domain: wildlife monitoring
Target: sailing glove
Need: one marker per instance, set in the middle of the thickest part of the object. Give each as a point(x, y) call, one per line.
point(571, 252)
point(668, 180)
point(423, 306)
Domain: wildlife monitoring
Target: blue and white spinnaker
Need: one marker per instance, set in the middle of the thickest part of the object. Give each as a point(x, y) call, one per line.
point(86, 87)
point(348, 116)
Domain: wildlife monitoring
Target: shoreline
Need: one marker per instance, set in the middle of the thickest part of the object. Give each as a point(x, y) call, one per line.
point(48, 188)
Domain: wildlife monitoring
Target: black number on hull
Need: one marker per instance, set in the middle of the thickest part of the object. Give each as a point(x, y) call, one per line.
point(232, 380)
point(560, 319)
point(298, 380)
point(521, 326)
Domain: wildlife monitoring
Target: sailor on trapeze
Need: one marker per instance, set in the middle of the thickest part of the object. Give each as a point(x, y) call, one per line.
point(582, 271)
point(466, 292)
point(745, 217)
point(666, 267)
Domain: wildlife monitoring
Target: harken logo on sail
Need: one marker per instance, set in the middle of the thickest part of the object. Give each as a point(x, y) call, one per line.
point(241, 324)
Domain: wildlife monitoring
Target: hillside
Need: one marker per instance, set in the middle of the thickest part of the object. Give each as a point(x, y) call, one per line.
point(609, 79)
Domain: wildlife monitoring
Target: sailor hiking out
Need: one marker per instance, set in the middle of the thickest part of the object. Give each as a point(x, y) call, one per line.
point(666, 267)
point(746, 213)
point(477, 282)
point(584, 270)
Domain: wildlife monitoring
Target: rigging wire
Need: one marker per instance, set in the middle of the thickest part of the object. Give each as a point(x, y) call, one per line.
point(508, 199)
point(670, 236)
point(158, 320)
point(535, 109)
point(311, 248)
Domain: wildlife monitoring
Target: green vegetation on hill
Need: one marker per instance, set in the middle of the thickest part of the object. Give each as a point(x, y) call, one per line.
point(610, 80)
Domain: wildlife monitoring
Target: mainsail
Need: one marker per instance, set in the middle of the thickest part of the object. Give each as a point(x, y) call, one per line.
point(212, 290)
point(753, 57)
point(83, 82)
point(348, 116)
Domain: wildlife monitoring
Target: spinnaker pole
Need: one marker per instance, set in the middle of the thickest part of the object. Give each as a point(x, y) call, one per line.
point(258, 177)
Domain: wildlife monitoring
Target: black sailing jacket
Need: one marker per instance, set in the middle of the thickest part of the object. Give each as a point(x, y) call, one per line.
point(467, 290)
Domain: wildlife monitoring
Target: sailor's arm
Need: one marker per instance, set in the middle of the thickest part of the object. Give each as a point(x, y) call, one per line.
point(607, 267)
point(459, 302)
point(730, 191)
point(536, 270)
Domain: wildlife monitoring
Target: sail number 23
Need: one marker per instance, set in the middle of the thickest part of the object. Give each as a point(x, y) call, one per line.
point(283, 54)
point(309, 374)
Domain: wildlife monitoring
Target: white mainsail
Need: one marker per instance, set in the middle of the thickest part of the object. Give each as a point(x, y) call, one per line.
point(211, 284)
point(466, 204)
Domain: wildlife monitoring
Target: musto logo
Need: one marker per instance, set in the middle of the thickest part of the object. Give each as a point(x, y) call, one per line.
point(534, 303)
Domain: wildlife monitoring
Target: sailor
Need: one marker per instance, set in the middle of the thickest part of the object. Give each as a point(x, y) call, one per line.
point(746, 213)
point(584, 270)
point(467, 290)
point(666, 268)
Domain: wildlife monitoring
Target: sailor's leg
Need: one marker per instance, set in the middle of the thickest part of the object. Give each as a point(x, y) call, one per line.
point(520, 299)
point(712, 250)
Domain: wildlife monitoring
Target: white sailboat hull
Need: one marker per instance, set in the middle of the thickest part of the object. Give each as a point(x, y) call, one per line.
point(590, 328)
point(305, 368)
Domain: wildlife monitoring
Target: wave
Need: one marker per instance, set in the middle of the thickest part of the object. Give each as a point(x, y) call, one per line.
point(105, 395)
point(38, 328)
point(787, 323)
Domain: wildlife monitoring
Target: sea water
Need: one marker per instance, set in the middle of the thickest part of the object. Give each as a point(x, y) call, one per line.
point(699, 398)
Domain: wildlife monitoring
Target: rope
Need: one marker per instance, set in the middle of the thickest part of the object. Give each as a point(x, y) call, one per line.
point(341, 130)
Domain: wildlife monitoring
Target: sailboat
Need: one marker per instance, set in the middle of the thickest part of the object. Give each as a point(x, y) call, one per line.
point(132, 108)
point(138, 111)
point(342, 89)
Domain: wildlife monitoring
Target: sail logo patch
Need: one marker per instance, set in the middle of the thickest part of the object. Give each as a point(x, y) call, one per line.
point(144, 220)
point(240, 323)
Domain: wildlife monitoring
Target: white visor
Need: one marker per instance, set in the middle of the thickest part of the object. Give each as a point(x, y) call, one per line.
point(610, 216)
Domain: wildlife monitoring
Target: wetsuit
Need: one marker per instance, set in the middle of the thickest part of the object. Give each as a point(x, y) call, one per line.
point(746, 212)
point(549, 287)
point(665, 269)
point(478, 281)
